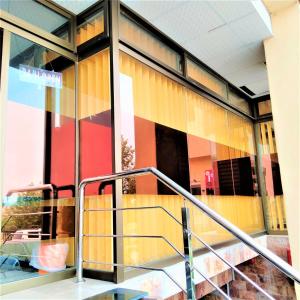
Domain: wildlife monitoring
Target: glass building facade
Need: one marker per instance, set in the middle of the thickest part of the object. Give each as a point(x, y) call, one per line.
point(75, 107)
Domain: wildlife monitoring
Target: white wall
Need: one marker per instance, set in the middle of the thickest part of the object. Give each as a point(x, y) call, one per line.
point(283, 63)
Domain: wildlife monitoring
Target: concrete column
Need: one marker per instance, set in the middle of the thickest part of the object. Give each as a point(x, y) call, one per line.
point(283, 64)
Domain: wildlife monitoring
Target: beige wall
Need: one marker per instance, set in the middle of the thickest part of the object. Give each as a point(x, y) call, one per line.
point(282, 58)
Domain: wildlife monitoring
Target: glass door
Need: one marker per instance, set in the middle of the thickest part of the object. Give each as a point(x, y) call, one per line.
point(38, 163)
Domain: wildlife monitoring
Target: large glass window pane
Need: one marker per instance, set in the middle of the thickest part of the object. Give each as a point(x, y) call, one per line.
point(153, 124)
point(96, 155)
point(39, 15)
point(210, 81)
point(242, 154)
point(143, 40)
point(187, 137)
point(220, 170)
point(239, 102)
point(276, 215)
point(39, 163)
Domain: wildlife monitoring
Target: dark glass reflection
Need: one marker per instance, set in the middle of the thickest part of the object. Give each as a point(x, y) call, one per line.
point(172, 157)
point(216, 169)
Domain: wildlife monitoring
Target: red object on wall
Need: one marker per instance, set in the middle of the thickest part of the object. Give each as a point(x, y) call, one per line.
point(209, 179)
point(95, 152)
point(63, 155)
point(145, 150)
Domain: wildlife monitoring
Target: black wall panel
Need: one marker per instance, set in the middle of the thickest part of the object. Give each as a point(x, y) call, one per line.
point(172, 157)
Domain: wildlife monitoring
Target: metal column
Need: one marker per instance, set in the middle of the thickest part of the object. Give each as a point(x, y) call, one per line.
point(188, 253)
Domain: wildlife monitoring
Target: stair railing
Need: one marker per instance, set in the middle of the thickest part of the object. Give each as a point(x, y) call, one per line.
point(187, 233)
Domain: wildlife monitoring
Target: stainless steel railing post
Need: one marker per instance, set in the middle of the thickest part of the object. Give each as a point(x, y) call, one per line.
point(79, 259)
point(188, 254)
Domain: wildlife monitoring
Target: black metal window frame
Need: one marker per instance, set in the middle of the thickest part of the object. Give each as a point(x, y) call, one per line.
point(185, 55)
point(110, 38)
point(158, 36)
point(100, 41)
point(264, 117)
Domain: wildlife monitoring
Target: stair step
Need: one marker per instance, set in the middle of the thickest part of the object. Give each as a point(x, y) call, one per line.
point(119, 294)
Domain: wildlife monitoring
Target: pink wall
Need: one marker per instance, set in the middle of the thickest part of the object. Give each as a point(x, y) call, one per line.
point(267, 165)
point(24, 146)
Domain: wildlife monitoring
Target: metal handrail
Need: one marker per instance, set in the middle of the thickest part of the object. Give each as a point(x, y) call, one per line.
point(137, 236)
point(79, 278)
point(136, 267)
point(41, 187)
point(31, 188)
point(152, 236)
point(232, 266)
point(136, 208)
point(267, 254)
point(195, 236)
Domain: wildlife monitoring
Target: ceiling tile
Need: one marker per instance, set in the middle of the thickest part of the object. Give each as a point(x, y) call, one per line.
point(231, 10)
point(153, 8)
point(250, 28)
point(188, 21)
point(259, 87)
point(239, 59)
point(215, 43)
point(248, 75)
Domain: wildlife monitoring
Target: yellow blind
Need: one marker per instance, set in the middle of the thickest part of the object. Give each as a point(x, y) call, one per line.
point(206, 119)
point(241, 133)
point(141, 39)
point(159, 99)
point(267, 137)
point(93, 88)
point(205, 78)
point(156, 97)
point(239, 102)
point(264, 107)
point(92, 27)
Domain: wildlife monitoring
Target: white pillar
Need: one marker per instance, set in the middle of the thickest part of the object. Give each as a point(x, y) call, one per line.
point(283, 64)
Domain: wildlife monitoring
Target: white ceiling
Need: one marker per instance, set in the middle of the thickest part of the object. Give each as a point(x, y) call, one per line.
point(226, 35)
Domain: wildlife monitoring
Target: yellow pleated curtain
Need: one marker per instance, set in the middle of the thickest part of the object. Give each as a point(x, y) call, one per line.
point(91, 28)
point(94, 86)
point(276, 215)
point(159, 99)
point(162, 100)
point(93, 99)
point(146, 42)
point(202, 76)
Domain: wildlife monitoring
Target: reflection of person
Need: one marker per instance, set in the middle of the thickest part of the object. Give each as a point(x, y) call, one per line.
point(50, 257)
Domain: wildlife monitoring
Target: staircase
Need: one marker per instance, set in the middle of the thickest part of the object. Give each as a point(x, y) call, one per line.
point(187, 256)
point(265, 275)
point(252, 283)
